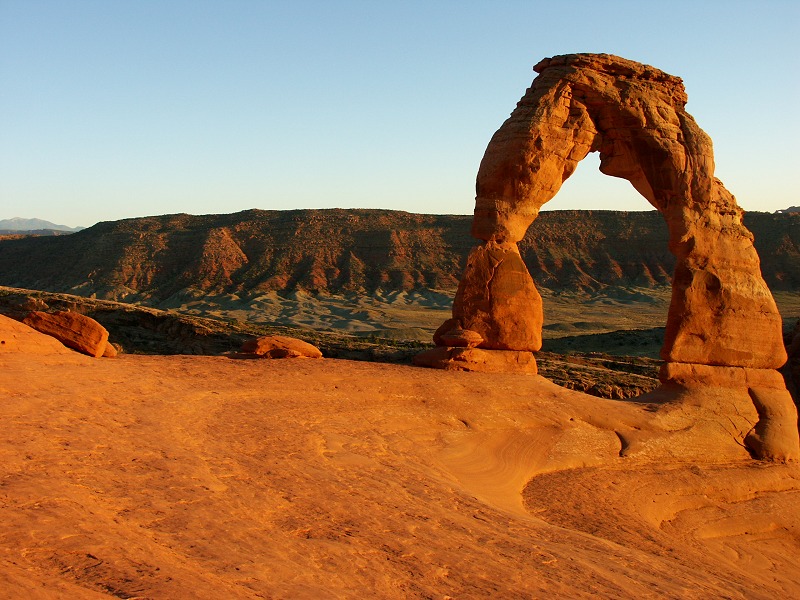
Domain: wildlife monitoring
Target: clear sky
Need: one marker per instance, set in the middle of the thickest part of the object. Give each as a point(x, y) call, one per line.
point(112, 109)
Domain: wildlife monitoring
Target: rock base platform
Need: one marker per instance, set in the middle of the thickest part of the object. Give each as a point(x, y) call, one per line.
point(477, 359)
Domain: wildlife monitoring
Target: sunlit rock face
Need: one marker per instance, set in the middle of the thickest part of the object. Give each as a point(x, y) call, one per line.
point(497, 299)
point(722, 313)
point(72, 329)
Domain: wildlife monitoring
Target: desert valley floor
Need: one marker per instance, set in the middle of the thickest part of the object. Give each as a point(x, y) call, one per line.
point(210, 477)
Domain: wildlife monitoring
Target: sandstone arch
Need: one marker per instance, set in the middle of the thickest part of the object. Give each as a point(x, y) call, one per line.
point(723, 327)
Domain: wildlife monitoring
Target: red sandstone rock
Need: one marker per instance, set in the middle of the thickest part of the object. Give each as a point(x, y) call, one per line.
point(721, 314)
point(476, 359)
point(18, 337)
point(279, 346)
point(448, 325)
point(775, 436)
point(74, 330)
point(462, 338)
point(695, 375)
point(632, 114)
point(497, 299)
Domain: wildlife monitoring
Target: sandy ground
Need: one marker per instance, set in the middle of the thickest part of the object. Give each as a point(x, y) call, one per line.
point(209, 477)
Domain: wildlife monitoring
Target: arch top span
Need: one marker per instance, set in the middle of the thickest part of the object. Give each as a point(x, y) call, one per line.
point(723, 325)
point(632, 114)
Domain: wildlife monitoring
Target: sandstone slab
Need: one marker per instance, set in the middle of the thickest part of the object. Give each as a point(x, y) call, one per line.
point(20, 338)
point(477, 359)
point(74, 330)
point(280, 346)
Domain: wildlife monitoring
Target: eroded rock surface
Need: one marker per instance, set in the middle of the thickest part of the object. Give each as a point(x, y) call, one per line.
point(497, 299)
point(72, 329)
point(721, 315)
point(280, 346)
point(17, 337)
point(458, 358)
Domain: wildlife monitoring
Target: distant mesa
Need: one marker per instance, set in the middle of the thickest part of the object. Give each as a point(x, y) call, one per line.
point(791, 209)
point(166, 261)
point(723, 328)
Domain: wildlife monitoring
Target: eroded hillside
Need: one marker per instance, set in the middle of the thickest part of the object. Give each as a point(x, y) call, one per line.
point(151, 259)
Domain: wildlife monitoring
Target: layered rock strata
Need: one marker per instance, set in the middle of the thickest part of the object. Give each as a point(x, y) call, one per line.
point(169, 260)
point(74, 330)
point(18, 338)
point(722, 314)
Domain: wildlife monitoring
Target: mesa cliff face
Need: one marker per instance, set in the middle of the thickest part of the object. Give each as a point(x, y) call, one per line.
point(253, 251)
point(333, 251)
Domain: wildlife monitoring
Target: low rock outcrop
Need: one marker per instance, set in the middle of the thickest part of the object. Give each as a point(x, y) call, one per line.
point(459, 358)
point(279, 346)
point(722, 318)
point(19, 338)
point(74, 330)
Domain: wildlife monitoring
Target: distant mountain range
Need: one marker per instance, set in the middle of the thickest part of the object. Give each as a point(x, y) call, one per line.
point(18, 224)
point(333, 251)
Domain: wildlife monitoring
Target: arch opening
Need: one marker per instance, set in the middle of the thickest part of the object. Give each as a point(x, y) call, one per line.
point(587, 188)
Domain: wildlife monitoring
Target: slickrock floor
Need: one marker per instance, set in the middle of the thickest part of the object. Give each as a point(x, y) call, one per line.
point(208, 477)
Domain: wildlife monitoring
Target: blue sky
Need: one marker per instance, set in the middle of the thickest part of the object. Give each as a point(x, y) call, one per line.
point(112, 109)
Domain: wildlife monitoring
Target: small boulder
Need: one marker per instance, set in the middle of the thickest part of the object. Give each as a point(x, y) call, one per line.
point(74, 330)
point(280, 346)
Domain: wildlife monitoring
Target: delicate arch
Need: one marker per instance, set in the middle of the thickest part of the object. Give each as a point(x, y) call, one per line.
point(723, 326)
point(634, 116)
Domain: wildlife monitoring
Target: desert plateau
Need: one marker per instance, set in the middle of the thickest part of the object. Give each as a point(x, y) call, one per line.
point(380, 404)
